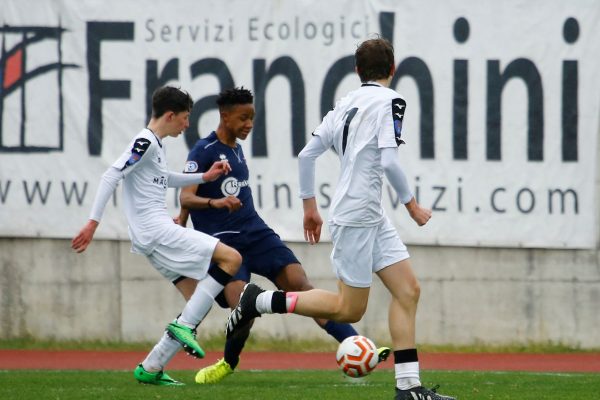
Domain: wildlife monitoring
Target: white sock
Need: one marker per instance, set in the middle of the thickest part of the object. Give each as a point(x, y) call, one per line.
point(263, 302)
point(407, 375)
point(200, 303)
point(161, 354)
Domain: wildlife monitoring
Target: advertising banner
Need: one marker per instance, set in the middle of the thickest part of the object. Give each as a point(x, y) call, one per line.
point(500, 127)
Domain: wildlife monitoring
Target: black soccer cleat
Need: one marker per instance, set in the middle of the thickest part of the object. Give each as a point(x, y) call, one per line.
point(420, 393)
point(245, 311)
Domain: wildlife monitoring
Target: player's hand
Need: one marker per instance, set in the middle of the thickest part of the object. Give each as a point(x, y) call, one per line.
point(419, 214)
point(216, 170)
point(231, 203)
point(182, 218)
point(312, 221)
point(84, 237)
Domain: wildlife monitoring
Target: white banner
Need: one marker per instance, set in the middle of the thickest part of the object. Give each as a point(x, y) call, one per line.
point(501, 124)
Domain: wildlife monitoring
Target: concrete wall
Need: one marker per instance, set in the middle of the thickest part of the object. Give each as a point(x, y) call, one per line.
point(469, 295)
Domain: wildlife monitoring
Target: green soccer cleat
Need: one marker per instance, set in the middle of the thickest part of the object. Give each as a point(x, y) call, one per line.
point(186, 337)
point(159, 378)
point(214, 373)
point(383, 353)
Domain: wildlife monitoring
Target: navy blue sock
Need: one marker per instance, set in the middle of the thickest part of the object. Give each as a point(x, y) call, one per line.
point(339, 331)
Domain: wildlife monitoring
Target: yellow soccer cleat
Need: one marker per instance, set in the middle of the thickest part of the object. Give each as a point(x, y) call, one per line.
point(383, 353)
point(214, 373)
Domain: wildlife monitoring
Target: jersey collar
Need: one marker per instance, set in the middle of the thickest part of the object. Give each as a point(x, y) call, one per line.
point(157, 139)
point(371, 83)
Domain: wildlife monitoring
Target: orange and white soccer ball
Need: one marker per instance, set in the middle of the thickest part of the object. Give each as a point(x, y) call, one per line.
point(357, 356)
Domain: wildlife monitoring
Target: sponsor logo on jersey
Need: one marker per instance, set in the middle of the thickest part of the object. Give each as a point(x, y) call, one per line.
point(137, 151)
point(190, 166)
point(232, 187)
point(161, 181)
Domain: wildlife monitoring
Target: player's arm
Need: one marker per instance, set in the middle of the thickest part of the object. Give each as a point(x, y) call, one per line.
point(109, 182)
point(182, 218)
point(178, 179)
point(191, 201)
point(131, 159)
point(396, 177)
point(306, 164)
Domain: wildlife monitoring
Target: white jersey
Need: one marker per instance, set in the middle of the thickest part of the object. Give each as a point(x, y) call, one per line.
point(363, 122)
point(144, 166)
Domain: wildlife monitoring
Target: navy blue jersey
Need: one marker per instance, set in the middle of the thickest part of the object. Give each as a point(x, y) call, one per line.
point(209, 220)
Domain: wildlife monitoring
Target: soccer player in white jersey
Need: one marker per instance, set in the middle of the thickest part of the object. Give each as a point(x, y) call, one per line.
point(173, 250)
point(364, 129)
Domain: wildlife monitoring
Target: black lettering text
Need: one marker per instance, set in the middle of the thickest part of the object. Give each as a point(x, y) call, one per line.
point(100, 89)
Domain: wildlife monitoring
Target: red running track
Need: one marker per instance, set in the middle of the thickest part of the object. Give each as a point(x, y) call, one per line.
point(126, 360)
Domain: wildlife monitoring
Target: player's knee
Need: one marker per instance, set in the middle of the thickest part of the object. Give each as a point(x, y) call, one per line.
point(351, 317)
point(351, 314)
point(415, 291)
point(411, 292)
point(228, 259)
point(234, 259)
point(300, 286)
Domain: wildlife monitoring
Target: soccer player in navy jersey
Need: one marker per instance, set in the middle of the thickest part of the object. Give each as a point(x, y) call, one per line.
point(172, 250)
point(225, 209)
point(365, 130)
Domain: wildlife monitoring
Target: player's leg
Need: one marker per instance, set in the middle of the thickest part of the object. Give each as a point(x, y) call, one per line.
point(151, 369)
point(292, 278)
point(401, 282)
point(352, 265)
point(227, 262)
point(234, 345)
point(200, 303)
point(399, 278)
point(185, 252)
point(228, 299)
point(271, 258)
point(348, 305)
point(199, 294)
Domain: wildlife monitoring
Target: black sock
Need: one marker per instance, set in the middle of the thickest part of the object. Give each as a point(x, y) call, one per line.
point(405, 356)
point(219, 275)
point(278, 302)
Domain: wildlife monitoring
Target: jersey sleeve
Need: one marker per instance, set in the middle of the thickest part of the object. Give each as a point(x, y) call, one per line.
point(198, 160)
point(133, 156)
point(391, 118)
point(325, 131)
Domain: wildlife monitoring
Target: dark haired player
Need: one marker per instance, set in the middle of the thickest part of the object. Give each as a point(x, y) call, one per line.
point(224, 209)
point(365, 130)
point(174, 251)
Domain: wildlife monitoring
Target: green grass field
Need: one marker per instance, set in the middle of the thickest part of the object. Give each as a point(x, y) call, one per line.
point(278, 385)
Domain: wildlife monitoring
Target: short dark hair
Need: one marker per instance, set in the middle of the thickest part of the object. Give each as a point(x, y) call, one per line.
point(234, 96)
point(374, 59)
point(169, 98)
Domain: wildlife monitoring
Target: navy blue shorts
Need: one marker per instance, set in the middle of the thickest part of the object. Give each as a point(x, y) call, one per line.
point(263, 252)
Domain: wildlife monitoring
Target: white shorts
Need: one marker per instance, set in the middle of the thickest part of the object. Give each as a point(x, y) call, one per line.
point(183, 252)
point(358, 252)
